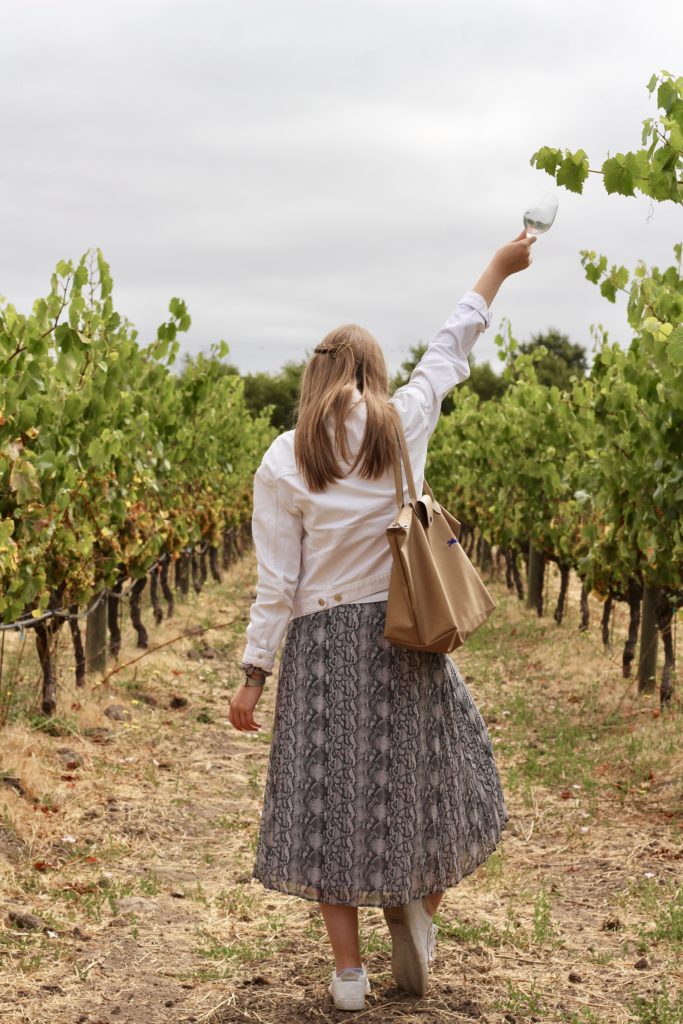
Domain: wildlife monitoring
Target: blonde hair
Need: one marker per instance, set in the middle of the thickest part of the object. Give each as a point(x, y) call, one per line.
point(347, 357)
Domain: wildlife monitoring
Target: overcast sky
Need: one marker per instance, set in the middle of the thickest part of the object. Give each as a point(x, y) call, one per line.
point(288, 166)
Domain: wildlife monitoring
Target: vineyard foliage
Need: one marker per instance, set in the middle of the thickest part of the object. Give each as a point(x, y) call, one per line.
point(109, 458)
point(592, 475)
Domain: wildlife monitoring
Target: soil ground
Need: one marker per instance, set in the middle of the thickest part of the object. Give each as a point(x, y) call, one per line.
point(129, 824)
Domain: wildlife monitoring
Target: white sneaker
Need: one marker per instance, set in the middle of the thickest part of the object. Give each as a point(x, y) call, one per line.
point(349, 989)
point(413, 938)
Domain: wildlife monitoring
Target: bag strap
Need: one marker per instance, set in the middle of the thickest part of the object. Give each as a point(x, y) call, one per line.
point(402, 451)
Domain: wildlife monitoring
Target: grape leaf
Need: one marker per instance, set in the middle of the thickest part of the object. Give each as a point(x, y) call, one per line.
point(675, 347)
point(617, 177)
point(573, 171)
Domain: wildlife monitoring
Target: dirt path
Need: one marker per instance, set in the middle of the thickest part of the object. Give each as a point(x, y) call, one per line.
point(130, 839)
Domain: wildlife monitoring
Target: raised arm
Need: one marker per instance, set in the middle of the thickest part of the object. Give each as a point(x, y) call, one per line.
point(444, 364)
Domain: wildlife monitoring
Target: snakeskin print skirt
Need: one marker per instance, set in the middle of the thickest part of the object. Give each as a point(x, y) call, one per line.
point(382, 785)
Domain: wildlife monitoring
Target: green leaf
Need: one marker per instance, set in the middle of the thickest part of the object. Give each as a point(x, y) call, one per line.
point(573, 171)
point(675, 347)
point(667, 94)
point(547, 159)
point(96, 452)
point(81, 276)
point(617, 177)
point(647, 129)
point(608, 289)
point(72, 406)
point(24, 481)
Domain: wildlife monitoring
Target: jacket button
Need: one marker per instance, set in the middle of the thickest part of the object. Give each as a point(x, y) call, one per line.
point(321, 601)
point(337, 597)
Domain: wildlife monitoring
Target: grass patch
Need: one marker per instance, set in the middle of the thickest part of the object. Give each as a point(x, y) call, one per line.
point(483, 934)
point(375, 942)
point(669, 923)
point(518, 1000)
point(54, 725)
point(254, 780)
point(556, 749)
point(662, 1008)
point(243, 951)
point(582, 1017)
point(544, 929)
point(493, 869)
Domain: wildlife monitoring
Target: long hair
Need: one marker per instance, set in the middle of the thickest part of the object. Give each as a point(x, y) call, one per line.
point(347, 357)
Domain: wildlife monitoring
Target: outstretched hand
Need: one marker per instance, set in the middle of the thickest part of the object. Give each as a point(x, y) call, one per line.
point(515, 255)
point(509, 259)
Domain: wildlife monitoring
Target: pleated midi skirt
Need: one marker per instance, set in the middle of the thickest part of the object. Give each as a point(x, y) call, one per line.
point(381, 784)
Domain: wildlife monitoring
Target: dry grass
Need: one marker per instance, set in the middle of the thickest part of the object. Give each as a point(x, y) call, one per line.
point(132, 841)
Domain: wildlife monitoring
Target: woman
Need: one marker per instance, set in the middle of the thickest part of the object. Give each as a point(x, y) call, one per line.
point(382, 788)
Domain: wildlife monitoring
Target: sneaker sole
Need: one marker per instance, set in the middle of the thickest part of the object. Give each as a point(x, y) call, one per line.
point(408, 970)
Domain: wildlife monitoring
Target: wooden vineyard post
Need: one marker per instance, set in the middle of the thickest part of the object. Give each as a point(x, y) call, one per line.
point(647, 662)
point(96, 635)
point(534, 597)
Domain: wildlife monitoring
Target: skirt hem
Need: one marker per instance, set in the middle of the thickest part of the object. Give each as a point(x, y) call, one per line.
point(378, 899)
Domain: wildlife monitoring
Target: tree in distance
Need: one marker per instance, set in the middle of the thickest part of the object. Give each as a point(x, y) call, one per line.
point(564, 359)
point(279, 390)
point(482, 379)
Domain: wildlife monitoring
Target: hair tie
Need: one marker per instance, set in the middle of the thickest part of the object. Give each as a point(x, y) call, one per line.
point(332, 350)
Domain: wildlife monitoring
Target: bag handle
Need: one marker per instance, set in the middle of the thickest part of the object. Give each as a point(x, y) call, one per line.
point(402, 451)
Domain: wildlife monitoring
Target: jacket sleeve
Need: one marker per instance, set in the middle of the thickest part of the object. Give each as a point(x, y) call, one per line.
point(444, 364)
point(277, 532)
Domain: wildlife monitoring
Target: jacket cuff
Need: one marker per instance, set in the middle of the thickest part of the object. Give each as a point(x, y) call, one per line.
point(258, 658)
point(477, 301)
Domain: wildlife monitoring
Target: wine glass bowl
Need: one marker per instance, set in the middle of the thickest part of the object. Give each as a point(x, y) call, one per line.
point(538, 218)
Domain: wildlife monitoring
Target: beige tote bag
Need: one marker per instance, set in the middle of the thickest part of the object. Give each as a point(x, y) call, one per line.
point(436, 597)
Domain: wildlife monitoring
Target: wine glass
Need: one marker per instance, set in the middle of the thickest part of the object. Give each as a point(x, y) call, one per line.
point(539, 217)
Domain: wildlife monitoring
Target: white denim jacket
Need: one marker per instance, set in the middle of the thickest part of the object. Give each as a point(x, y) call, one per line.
point(317, 550)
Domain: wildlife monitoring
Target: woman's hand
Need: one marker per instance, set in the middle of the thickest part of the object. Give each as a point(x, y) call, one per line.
point(514, 256)
point(242, 704)
point(509, 259)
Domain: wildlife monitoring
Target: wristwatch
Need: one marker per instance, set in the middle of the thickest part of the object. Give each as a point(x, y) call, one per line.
point(254, 676)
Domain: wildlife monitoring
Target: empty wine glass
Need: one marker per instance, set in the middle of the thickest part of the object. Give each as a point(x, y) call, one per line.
point(539, 217)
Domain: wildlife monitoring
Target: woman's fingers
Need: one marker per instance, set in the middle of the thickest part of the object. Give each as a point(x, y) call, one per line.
point(524, 237)
point(242, 718)
point(515, 255)
point(244, 722)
